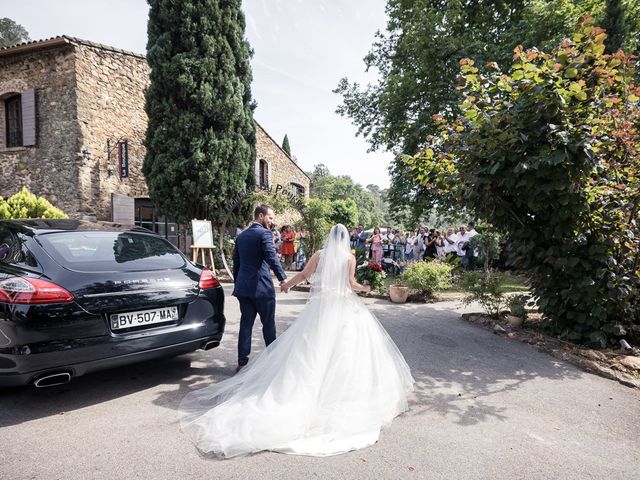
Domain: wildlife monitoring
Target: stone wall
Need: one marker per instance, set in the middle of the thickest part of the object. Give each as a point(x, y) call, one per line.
point(282, 170)
point(89, 97)
point(111, 88)
point(49, 168)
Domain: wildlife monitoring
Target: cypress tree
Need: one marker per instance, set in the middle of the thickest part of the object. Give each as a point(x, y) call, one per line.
point(615, 23)
point(200, 137)
point(285, 145)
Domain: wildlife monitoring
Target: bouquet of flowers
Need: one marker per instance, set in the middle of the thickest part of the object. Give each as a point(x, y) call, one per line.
point(371, 273)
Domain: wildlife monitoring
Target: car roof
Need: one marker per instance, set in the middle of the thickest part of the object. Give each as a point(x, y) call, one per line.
point(50, 225)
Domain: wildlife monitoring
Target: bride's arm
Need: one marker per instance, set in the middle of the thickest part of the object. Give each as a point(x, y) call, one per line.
point(355, 286)
point(303, 275)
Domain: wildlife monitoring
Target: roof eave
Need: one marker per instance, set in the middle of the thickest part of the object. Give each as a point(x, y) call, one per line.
point(32, 46)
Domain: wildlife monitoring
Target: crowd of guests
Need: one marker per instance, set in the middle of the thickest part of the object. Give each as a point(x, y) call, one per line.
point(425, 243)
point(392, 247)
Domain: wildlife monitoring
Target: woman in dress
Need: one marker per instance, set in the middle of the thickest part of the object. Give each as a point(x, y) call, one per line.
point(288, 249)
point(376, 245)
point(326, 386)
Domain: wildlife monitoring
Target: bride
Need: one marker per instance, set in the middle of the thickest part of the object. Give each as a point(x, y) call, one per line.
point(326, 386)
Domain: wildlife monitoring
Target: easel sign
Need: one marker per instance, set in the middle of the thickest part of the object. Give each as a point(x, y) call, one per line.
point(202, 242)
point(202, 233)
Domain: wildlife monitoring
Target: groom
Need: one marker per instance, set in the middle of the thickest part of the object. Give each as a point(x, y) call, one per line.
point(253, 254)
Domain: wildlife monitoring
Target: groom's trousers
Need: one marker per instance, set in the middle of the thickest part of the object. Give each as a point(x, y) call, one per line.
point(249, 308)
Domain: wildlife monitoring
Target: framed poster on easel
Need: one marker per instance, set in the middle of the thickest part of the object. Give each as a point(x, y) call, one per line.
point(202, 242)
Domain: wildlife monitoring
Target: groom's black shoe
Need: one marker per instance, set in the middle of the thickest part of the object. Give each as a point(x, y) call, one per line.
point(240, 367)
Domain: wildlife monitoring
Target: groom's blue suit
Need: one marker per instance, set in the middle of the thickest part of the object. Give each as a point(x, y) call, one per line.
point(253, 254)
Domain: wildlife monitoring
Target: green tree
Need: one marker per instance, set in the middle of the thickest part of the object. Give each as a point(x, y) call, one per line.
point(549, 154)
point(25, 204)
point(12, 33)
point(201, 135)
point(615, 23)
point(317, 221)
point(344, 212)
point(370, 210)
point(285, 145)
point(416, 60)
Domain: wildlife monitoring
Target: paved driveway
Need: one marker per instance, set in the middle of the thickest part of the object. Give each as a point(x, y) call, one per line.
point(485, 407)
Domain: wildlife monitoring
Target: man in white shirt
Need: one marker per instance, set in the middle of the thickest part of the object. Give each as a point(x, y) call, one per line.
point(472, 257)
point(450, 242)
point(461, 239)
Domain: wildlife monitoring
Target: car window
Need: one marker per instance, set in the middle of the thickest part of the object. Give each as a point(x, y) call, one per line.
point(110, 251)
point(12, 249)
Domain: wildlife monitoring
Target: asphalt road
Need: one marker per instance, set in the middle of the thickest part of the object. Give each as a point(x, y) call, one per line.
point(485, 407)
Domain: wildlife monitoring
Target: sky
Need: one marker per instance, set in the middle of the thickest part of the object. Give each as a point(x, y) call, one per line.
point(302, 49)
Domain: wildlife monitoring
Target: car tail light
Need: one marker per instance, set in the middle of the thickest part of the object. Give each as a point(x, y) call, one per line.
point(207, 280)
point(31, 291)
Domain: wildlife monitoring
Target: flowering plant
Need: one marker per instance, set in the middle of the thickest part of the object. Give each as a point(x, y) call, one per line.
point(371, 273)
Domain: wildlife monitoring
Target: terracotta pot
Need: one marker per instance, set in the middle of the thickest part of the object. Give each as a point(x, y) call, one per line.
point(515, 321)
point(398, 293)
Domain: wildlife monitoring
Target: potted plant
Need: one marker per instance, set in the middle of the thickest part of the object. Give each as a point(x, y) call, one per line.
point(517, 307)
point(398, 293)
point(372, 274)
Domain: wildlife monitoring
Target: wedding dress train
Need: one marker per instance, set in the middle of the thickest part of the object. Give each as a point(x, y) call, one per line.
point(326, 386)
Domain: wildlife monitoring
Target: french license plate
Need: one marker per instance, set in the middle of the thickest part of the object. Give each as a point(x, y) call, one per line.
point(121, 321)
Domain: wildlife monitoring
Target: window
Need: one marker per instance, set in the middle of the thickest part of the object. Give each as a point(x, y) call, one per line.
point(13, 250)
point(13, 116)
point(296, 189)
point(264, 174)
point(19, 110)
point(111, 251)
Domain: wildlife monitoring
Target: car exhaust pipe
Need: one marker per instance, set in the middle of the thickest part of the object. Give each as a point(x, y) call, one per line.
point(211, 344)
point(52, 380)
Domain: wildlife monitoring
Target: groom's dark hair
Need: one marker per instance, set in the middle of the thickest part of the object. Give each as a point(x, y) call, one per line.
point(261, 209)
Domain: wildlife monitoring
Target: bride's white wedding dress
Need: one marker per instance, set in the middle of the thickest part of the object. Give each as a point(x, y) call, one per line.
point(326, 386)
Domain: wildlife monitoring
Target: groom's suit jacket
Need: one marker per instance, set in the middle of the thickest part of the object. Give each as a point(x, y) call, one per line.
point(253, 254)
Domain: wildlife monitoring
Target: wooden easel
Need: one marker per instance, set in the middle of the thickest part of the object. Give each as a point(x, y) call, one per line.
point(202, 253)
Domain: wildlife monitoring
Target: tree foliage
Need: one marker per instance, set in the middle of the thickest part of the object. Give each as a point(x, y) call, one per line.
point(12, 33)
point(370, 203)
point(25, 204)
point(285, 145)
point(616, 25)
point(549, 153)
point(316, 220)
point(201, 135)
point(416, 62)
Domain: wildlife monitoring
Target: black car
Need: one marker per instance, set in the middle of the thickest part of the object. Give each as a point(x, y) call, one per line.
point(81, 296)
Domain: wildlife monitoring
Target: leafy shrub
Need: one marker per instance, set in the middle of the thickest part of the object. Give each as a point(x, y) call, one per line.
point(548, 151)
point(25, 204)
point(486, 289)
point(518, 305)
point(428, 277)
point(371, 274)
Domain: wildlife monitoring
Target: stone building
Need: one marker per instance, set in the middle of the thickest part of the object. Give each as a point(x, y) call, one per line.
point(74, 121)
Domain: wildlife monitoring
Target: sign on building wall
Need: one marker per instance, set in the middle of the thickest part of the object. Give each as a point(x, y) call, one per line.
point(122, 209)
point(123, 158)
point(202, 233)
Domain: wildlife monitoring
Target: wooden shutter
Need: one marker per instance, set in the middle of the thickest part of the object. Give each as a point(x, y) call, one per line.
point(268, 173)
point(257, 172)
point(29, 118)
